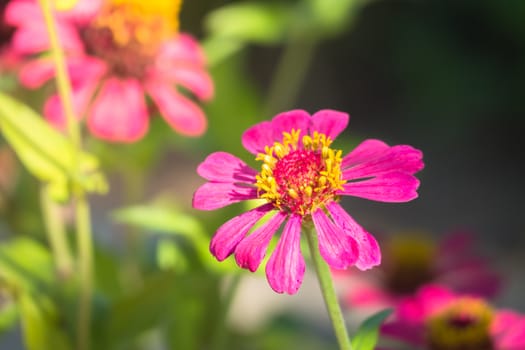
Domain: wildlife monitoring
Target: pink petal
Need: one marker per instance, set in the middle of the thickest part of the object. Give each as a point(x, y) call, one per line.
point(54, 111)
point(390, 187)
point(83, 12)
point(285, 268)
point(366, 150)
point(195, 79)
point(338, 249)
point(215, 195)
point(369, 252)
point(181, 113)
point(513, 338)
point(400, 158)
point(434, 298)
point(36, 72)
point(183, 49)
point(231, 232)
point(503, 320)
point(252, 249)
point(257, 137)
point(225, 167)
point(284, 122)
point(22, 12)
point(364, 296)
point(329, 122)
point(119, 112)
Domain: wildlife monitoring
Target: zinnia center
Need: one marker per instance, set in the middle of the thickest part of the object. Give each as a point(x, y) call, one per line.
point(463, 325)
point(127, 34)
point(298, 177)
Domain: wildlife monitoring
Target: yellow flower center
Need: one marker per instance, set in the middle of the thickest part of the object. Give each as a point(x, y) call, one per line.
point(463, 325)
point(127, 33)
point(300, 178)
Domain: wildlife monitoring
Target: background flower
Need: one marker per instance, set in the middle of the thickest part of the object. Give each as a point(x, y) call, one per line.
point(436, 318)
point(413, 260)
point(117, 52)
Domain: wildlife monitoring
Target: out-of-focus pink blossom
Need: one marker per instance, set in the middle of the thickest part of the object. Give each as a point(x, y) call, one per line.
point(117, 54)
point(411, 261)
point(437, 319)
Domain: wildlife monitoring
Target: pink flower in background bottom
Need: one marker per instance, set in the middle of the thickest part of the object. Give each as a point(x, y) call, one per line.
point(413, 260)
point(301, 180)
point(437, 319)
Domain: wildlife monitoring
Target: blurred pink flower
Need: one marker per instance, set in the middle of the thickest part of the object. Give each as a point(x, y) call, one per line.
point(301, 180)
point(410, 261)
point(437, 319)
point(117, 51)
point(8, 59)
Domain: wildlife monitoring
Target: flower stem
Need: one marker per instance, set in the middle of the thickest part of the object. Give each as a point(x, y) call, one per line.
point(85, 257)
point(56, 234)
point(327, 288)
point(289, 74)
point(83, 220)
point(62, 76)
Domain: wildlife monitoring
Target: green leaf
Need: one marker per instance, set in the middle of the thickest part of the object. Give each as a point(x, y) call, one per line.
point(141, 309)
point(367, 334)
point(250, 22)
point(169, 220)
point(26, 265)
point(45, 152)
point(40, 324)
point(334, 16)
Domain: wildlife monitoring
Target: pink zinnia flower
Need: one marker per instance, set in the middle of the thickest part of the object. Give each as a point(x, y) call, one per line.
point(410, 261)
point(117, 51)
point(437, 319)
point(301, 179)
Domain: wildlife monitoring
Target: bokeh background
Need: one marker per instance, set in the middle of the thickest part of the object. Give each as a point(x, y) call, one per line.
point(446, 76)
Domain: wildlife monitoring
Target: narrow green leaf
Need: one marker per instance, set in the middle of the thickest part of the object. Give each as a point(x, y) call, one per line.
point(368, 333)
point(250, 22)
point(26, 265)
point(40, 324)
point(169, 220)
point(45, 152)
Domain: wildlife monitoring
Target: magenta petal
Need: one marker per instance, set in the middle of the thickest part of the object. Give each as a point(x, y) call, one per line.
point(215, 195)
point(231, 232)
point(252, 249)
point(502, 321)
point(365, 151)
point(182, 114)
point(285, 268)
point(434, 298)
point(369, 252)
point(329, 122)
point(256, 138)
point(225, 167)
point(391, 187)
point(22, 12)
point(513, 338)
point(36, 72)
point(398, 158)
point(119, 111)
point(284, 122)
point(338, 249)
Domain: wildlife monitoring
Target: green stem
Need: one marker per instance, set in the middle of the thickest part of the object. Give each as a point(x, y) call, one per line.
point(220, 335)
point(83, 220)
point(289, 75)
point(56, 234)
point(85, 257)
point(62, 76)
point(327, 288)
